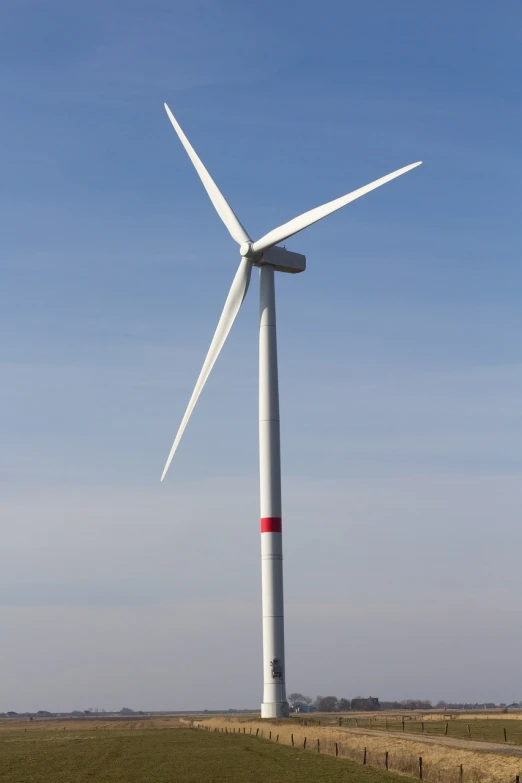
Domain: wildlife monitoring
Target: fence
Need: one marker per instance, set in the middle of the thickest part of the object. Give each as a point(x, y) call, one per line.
point(407, 764)
point(479, 729)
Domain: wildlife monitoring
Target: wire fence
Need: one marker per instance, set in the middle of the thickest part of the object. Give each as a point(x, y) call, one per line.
point(389, 760)
point(483, 730)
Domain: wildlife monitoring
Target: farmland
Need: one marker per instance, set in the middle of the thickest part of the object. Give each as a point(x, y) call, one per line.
point(443, 758)
point(229, 749)
point(497, 728)
point(160, 752)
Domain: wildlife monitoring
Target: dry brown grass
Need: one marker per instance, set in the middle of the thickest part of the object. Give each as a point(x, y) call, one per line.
point(81, 724)
point(487, 715)
point(429, 716)
point(451, 714)
point(441, 763)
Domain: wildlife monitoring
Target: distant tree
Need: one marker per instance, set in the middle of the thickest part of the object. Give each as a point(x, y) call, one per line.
point(12, 714)
point(441, 705)
point(326, 703)
point(388, 705)
point(126, 711)
point(44, 714)
point(417, 704)
point(299, 700)
point(365, 705)
point(344, 705)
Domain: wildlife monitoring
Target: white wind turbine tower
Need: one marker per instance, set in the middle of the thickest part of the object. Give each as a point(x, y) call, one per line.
point(264, 254)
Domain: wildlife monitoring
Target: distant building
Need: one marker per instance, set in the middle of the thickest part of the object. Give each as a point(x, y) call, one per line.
point(366, 705)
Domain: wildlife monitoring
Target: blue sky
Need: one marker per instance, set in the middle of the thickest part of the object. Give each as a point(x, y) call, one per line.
point(400, 359)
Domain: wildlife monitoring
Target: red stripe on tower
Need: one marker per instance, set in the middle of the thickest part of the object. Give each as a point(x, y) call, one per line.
point(271, 524)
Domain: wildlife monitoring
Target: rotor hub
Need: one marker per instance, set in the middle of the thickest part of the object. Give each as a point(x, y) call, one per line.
point(246, 250)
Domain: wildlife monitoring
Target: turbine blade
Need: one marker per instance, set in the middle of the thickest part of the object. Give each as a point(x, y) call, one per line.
point(221, 205)
point(234, 301)
point(307, 218)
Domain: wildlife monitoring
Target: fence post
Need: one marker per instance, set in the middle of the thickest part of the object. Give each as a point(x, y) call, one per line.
point(292, 738)
point(257, 732)
point(420, 767)
point(505, 734)
point(340, 721)
point(318, 746)
point(446, 730)
point(422, 726)
point(251, 729)
point(469, 729)
point(337, 750)
point(364, 757)
point(277, 738)
point(403, 722)
point(461, 773)
point(269, 735)
point(304, 743)
point(517, 779)
point(386, 759)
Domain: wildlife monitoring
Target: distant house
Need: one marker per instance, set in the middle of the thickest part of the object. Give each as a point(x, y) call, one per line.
point(304, 708)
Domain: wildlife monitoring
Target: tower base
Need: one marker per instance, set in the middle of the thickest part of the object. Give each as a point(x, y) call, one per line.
point(277, 709)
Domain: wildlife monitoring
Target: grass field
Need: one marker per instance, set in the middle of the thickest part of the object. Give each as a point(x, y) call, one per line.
point(441, 763)
point(66, 753)
point(485, 729)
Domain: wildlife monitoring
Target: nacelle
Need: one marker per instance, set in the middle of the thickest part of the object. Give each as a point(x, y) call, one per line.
point(283, 260)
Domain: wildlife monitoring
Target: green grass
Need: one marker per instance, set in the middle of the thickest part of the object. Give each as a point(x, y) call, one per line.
point(167, 756)
point(489, 730)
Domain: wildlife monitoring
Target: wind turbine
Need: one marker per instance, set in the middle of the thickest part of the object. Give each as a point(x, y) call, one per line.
point(264, 254)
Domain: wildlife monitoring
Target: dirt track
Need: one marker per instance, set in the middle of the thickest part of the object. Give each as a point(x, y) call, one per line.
point(486, 747)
